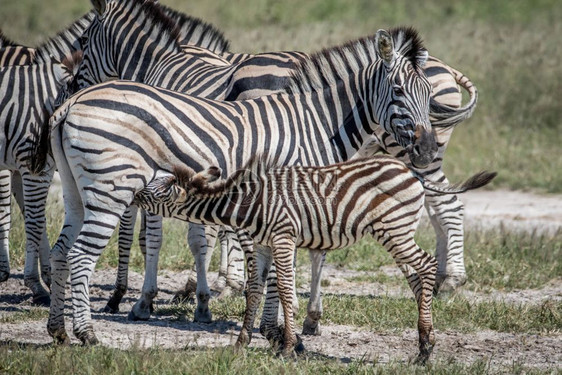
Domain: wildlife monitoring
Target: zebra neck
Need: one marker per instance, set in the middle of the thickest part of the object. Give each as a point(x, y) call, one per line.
point(339, 119)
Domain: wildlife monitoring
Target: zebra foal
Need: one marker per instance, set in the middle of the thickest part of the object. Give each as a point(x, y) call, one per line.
point(319, 208)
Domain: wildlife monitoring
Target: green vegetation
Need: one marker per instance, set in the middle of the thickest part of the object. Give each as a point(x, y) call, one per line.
point(24, 315)
point(22, 359)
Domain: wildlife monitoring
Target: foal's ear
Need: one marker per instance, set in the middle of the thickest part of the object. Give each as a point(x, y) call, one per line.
point(99, 6)
point(385, 46)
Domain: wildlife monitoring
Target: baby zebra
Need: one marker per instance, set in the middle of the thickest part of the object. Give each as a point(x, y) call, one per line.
point(319, 208)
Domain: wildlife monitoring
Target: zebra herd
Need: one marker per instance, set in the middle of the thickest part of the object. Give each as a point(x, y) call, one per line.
point(140, 106)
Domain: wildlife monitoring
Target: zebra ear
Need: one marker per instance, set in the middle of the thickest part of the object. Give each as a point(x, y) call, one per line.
point(385, 46)
point(421, 57)
point(99, 6)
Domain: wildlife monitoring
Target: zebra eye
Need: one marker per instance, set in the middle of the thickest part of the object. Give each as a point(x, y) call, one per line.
point(398, 91)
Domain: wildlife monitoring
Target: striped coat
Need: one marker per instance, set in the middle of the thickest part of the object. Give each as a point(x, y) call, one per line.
point(320, 208)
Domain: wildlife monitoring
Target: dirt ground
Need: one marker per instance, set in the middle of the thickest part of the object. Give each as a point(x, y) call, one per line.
point(516, 210)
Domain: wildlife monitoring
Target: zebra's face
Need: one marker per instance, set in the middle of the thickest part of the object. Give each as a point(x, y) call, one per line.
point(402, 105)
point(98, 64)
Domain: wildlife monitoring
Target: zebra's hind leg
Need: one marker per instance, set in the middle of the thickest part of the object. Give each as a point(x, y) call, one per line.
point(35, 190)
point(419, 268)
point(5, 221)
point(73, 220)
point(126, 233)
point(220, 283)
point(143, 308)
point(311, 325)
point(446, 213)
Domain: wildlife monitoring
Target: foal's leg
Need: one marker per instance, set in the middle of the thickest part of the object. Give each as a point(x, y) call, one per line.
point(311, 325)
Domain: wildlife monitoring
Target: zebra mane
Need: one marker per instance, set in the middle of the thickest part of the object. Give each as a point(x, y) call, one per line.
point(199, 187)
point(62, 42)
point(6, 42)
point(193, 30)
point(153, 19)
point(325, 68)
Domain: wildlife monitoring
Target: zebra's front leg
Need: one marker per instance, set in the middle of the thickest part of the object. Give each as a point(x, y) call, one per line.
point(254, 292)
point(126, 234)
point(35, 190)
point(311, 325)
point(235, 279)
point(202, 249)
point(220, 283)
point(5, 221)
point(44, 245)
point(143, 308)
point(446, 213)
point(283, 249)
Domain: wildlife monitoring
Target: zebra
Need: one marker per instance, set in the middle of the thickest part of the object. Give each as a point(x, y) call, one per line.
point(115, 121)
point(100, 69)
point(39, 82)
point(27, 93)
point(320, 208)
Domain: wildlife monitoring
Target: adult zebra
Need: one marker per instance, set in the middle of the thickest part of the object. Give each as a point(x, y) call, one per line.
point(98, 66)
point(146, 130)
point(46, 68)
point(27, 93)
point(321, 208)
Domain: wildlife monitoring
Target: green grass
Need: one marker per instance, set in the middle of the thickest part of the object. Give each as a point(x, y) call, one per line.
point(24, 315)
point(391, 314)
point(22, 359)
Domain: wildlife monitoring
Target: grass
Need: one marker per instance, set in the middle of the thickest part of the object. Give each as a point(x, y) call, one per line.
point(24, 315)
point(22, 359)
point(391, 314)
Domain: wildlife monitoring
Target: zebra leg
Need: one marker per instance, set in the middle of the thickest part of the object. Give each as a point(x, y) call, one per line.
point(143, 308)
point(5, 221)
point(202, 248)
point(283, 249)
point(235, 264)
point(35, 190)
point(446, 213)
point(314, 309)
point(73, 220)
point(254, 293)
point(44, 245)
point(126, 233)
point(82, 257)
point(220, 282)
point(419, 268)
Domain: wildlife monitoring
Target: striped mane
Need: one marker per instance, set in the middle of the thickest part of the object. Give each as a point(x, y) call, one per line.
point(325, 68)
point(153, 19)
point(63, 41)
point(195, 31)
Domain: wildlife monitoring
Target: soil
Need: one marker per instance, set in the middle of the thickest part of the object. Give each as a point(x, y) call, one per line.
point(513, 210)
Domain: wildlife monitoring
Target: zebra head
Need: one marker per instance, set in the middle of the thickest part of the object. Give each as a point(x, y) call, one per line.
point(403, 92)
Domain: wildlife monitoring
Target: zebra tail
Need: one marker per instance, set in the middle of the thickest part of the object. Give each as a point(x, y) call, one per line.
point(474, 182)
point(40, 145)
point(445, 116)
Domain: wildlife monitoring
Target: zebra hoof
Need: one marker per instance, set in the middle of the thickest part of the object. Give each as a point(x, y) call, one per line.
point(135, 316)
point(111, 309)
point(43, 300)
point(311, 328)
point(4, 275)
point(299, 347)
point(449, 283)
point(140, 311)
point(60, 337)
point(203, 316)
point(88, 338)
